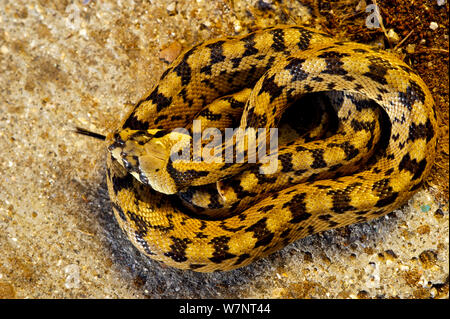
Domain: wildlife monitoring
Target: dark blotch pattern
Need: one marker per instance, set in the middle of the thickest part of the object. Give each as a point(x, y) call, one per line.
point(261, 233)
point(178, 249)
point(297, 206)
point(221, 248)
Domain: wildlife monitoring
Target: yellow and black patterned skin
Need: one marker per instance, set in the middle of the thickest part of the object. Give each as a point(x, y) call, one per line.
point(320, 183)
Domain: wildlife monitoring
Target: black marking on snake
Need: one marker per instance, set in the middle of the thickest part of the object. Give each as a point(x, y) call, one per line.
point(210, 84)
point(297, 207)
point(214, 200)
point(270, 62)
point(249, 45)
point(210, 115)
point(349, 150)
point(359, 50)
point(419, 131)
point(140, 224)
point(223, 226)
point(367, 126)
point(349, 78)
point(159, 99)
point(341, 198)
point(255, 120)
point(385, 192)
point(358, 87)
point(319, 161)
point(323, 186)
point(265, 208)
point(278, 40)
point(234, 104)
point(206, 69)
point(286, 162)
point(183, 95)
point(241, 259)
point(119, 211)
point(196, 266)
point(143, 178)
point(124, 182)
point(261, 233)
point(161, 118)
point(165, 73)
point(382, 90)
point(134, 123)
point(304, 38)
point(331, 86)
point(335, 167)
point(333, 62)
point(317, 79)
point(250, 74)
point(412, 166)
point(311, 230)
point(311, 179)
point(378, 212)
point(236, 62)
point(325, 217)
point(176, 118)
point(285, 233)
point(183, 178)
point(178, 249)
point(221, 249)
point(215, 57)
point(200, 235)
point(378, 69)
point(416, 186)
point(269, 86)
point(202, 225)
point(183, 69)
point(295, 69)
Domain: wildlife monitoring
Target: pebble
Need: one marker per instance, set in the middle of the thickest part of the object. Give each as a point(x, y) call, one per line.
point(393, 36)
point(433, 25)
point(441, 2)
point(411, 48)
point(171, 52)
point(171, 8)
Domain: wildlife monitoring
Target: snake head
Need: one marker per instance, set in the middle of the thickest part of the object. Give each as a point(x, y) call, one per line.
point(146, 153)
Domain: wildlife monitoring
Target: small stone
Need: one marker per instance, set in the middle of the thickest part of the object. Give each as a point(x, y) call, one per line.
point(4, 49)
point(441, 2)
point(411, 48)
point(171, 8)
point(170, 53)
point(361, 5)
point(428, 258)
point(433, 25)
point(438, 213)
point(424, 229)
point(237, 26)
point(7, 291)
point(393, 36)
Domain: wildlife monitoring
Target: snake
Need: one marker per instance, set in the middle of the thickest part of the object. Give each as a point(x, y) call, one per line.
point(363, 134)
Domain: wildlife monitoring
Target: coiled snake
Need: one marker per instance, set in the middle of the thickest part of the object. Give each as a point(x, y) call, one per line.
point(377, 157)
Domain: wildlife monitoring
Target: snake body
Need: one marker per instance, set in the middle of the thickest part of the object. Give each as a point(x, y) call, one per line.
point(321, 182)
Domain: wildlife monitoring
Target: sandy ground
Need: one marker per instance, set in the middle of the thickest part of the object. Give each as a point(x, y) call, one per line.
point(80, 63)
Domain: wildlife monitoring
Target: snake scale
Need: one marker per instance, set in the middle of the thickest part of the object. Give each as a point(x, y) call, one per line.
point(380, 152)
